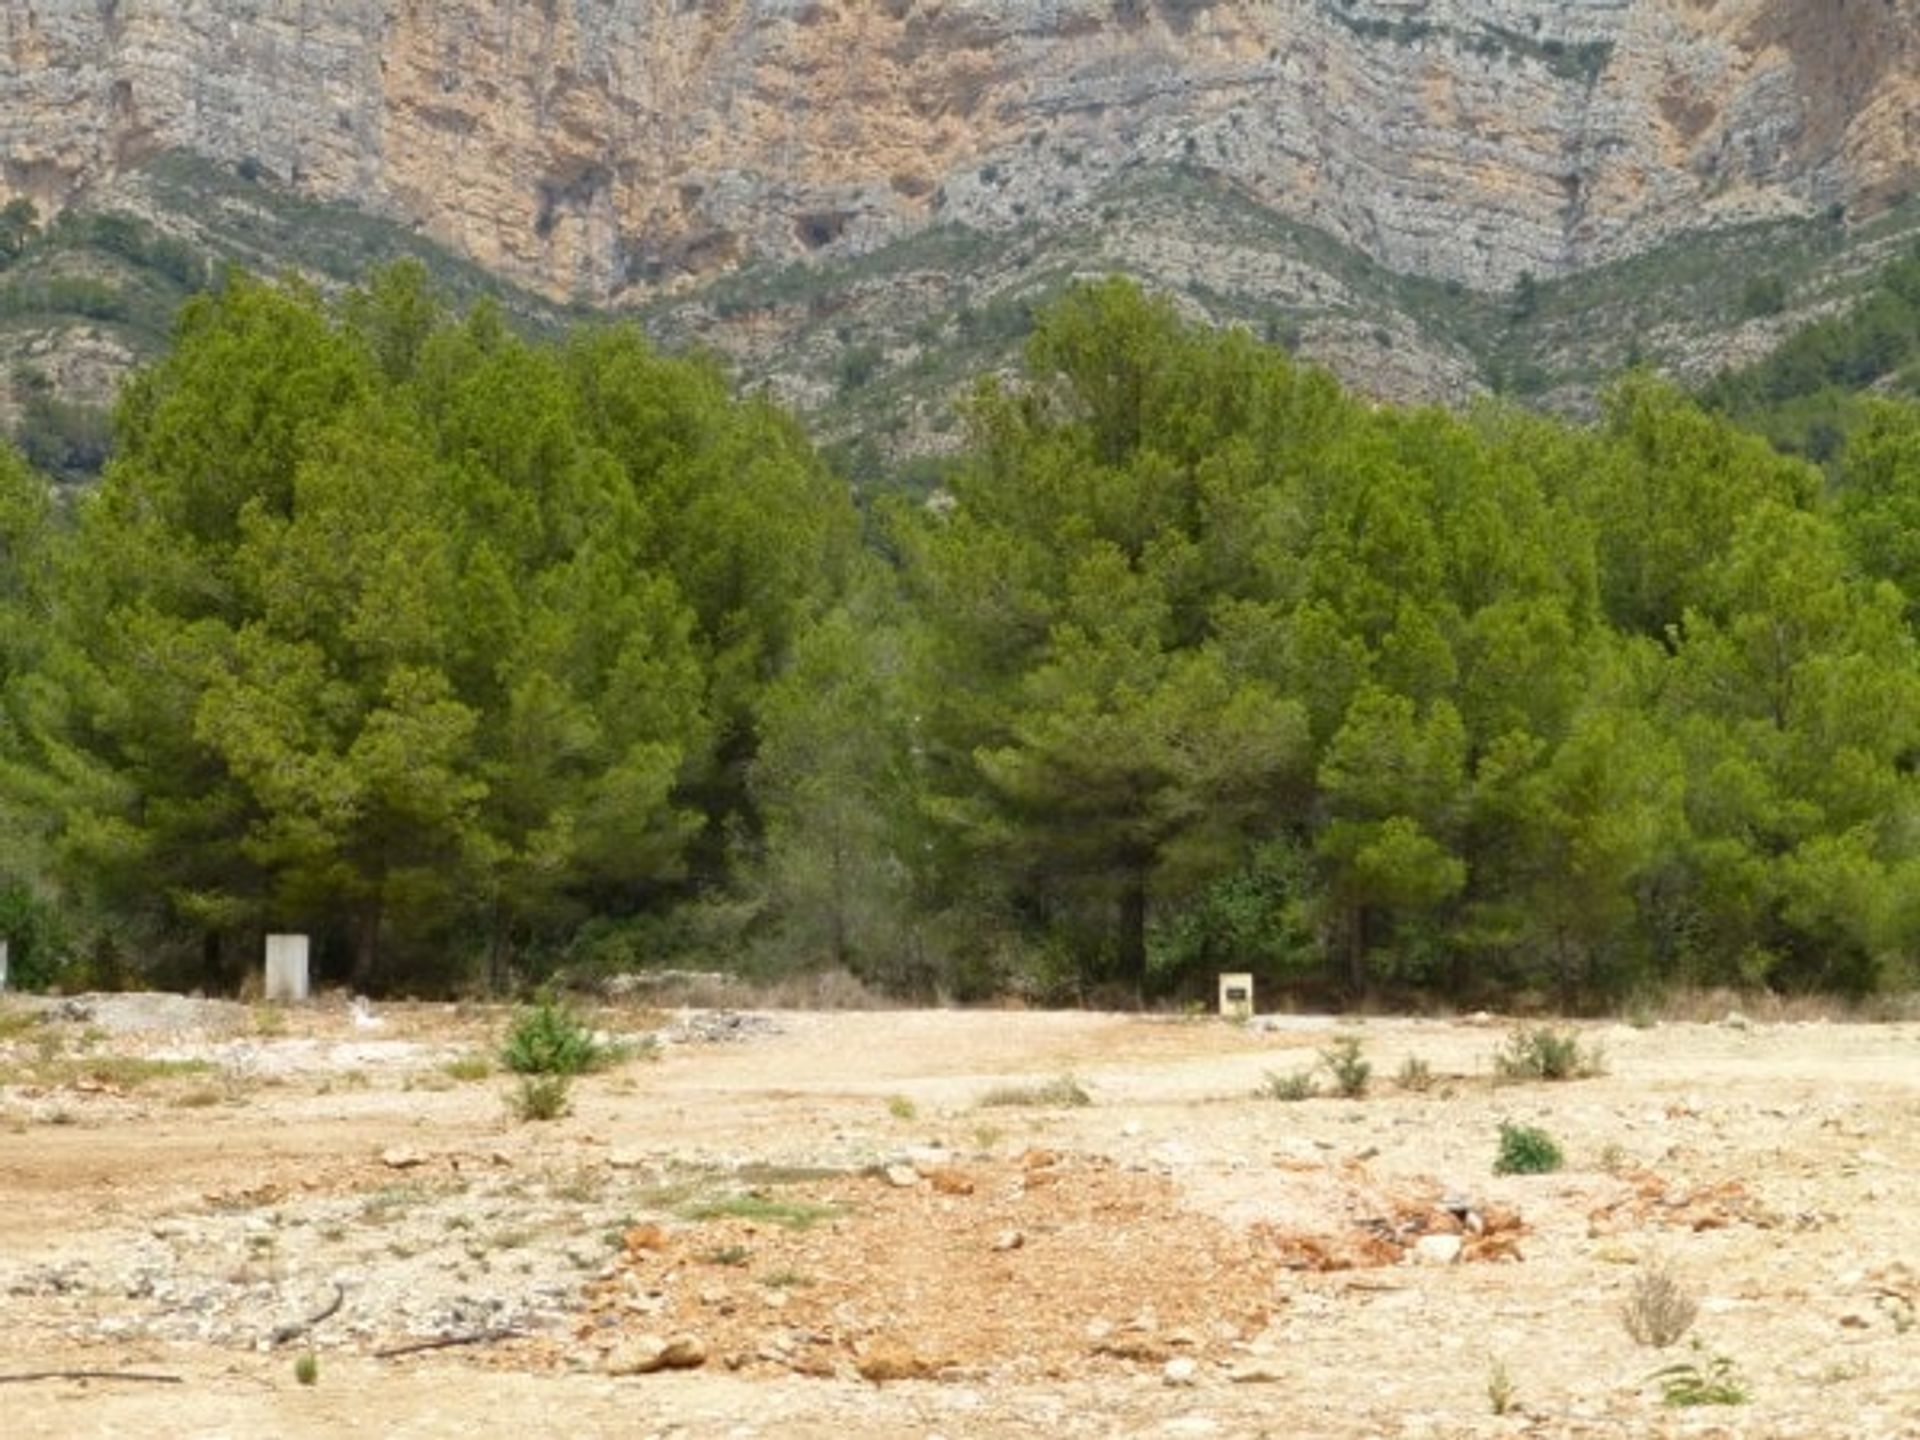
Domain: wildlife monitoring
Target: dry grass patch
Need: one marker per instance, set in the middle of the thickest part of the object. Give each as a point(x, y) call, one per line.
point(1063, 1093)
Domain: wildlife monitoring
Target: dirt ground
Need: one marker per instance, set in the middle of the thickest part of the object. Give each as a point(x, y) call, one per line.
point(789, 1224)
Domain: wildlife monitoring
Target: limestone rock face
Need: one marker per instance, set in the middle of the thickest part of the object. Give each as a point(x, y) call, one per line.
point(610, 149)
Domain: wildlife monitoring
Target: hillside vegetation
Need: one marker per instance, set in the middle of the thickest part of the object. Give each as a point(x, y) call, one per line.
point(480, 657)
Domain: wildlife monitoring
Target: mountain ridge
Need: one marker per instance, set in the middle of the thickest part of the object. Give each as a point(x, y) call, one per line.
point(713, 167)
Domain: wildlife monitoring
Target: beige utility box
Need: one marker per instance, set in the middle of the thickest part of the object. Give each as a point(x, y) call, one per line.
point(1236, 997)
point(286, 967)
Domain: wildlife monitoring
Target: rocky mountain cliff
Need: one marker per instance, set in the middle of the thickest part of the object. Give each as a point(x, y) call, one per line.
point(636, 152)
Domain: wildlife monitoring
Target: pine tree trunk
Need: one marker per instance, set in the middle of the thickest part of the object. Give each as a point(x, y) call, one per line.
point(366, 946)
point(1133, 932)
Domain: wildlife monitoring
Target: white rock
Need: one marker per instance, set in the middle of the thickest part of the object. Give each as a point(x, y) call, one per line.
point(1181, 1371)
point(1437, 1250)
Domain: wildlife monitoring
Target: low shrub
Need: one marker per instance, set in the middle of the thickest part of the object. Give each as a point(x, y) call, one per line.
point(1658, 1310)
point(1350, 1071)
point(549, 1038)
point(1297, 1086)
point(1543, 1053)
point(1525, 1150)
point(542, 1097)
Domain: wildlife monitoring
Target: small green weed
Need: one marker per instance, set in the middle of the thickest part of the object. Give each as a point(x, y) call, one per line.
point(1351, 1072)
point(1705, 1380)
point(307, 1368)
point(901, 1108)
point(1525, 1150)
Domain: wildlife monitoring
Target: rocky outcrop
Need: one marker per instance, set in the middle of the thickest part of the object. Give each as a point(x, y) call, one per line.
point(613, 149)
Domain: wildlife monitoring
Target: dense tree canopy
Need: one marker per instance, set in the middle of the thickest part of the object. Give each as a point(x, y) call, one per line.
point(475, 656)
point(403, 630)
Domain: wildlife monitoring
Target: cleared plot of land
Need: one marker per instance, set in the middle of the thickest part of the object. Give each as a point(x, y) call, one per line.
point(818, 1225)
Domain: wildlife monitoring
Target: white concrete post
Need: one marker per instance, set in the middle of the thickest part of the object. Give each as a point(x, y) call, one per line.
point(3, 964)
point(1236, 997)
point(286, 967)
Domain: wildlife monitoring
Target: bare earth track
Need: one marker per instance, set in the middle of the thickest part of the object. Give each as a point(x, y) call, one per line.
point(816, 1216)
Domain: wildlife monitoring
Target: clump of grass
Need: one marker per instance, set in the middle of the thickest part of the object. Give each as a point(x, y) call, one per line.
point(470, 1067)
point(542, 1097)
point(549, 1038)
point(1543, 1053)
point(307, 1368)
point(1351, 1072)
point(119, 1072)
point(1298, 1085)
point(16, 1019)
point(1501, 1391)
point(1705, 1380)
point(1525, 1150)
point(733, 1256)
point(1415, 1074)
point(758, 1209)
point(1063, 1093)
point(1658, 1310)
point(901, 1108)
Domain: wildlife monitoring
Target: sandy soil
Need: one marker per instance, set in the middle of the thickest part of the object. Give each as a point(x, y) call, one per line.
point(822, 1218)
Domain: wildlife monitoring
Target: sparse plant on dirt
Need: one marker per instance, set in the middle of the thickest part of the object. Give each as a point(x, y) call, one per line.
point(1414, 1075)
point(732, 1256)
point(1543, 1053)
point(16, 1019)
point(541, 1097)
point(1704, 1380)
point(468, 1067)
point(1296, 1085)
point(790, 1214)
point(1350, 1070)
point(901, 1108)
point(1658, 1309)
point(306, 1369)
point(1501, 1391)
point(1526, 1150)
point(548, 1038)
point(1064, 1093)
